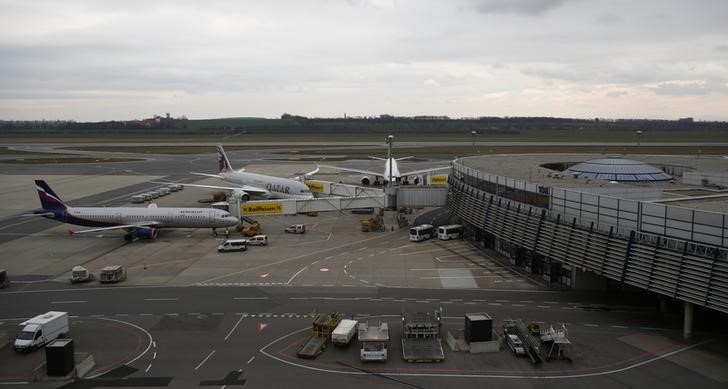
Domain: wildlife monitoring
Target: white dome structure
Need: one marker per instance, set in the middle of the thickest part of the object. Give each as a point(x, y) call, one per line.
point(618, 169)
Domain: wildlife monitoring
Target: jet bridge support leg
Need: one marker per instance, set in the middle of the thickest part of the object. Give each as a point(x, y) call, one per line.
point(688, 321)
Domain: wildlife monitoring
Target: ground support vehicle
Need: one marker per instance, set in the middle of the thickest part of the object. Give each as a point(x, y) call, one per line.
point(81, 274)
point(344, 332)
point(531, 345)
point(4, 280)
point(372, 224)
point(321, 329)
point(374, 341)
point(233, 245)
point(40, 330)
point(296, 229)
point(252, 230)
point(136, 199)
point(556, 342)
point(114, 273)
point(421, 337)
point(452, 231)
point(422, 232)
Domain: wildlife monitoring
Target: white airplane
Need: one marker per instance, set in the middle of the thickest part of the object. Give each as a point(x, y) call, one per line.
point(247, 184)
point(391, 169)
point(137, 222)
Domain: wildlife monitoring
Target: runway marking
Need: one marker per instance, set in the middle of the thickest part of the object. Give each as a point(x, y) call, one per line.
point(441, 268)
point(495, 304)
point(234, 327)
point(362, 248)
point(250, 298)
point(122, 314)
point(329, 257)
point(155, 355)
point(590, 325)
point(69, 302)
point(163, 299)
point(148, 367)
point(205, 360)
point(550, 302)
point(145, 314)
point(620, 327)
point(151, 342)
point(251, 359)
point(518, 305)
point(543, 306)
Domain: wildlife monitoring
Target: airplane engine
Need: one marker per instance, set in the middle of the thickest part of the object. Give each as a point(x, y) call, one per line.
point(365, 181)
point(241, 195)
point(146, 233)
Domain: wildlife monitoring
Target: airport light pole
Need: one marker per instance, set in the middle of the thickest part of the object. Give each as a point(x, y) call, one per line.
point(390, 140)
point(639, 135)
point(473, 133)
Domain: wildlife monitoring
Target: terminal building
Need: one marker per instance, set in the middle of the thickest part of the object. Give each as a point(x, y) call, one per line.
point(601, 223)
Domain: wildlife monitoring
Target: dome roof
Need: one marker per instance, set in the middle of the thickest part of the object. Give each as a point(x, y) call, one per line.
point(618, 169)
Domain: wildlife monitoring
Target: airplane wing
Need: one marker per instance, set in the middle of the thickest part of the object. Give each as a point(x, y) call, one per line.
point(207, 175)
point(434, 169)
point(245, 188)
point(121, 227)
point(346, 169)
point(307, 175)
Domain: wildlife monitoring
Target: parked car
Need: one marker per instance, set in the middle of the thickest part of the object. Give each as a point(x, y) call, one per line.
point(296, 229)
point(258, 240)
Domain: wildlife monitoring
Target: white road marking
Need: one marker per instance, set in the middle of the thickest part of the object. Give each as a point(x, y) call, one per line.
point(145, 314)
point(422, 252)
point(362, 249)
point(550, 302)
point(163, 299)
point(69, 302)
point(620, 327)
point(205, 360)
point(148, 367)
point(543, 306)
point(250, 298)
point(329, 257)
point(495, 304)
point(591, 325)
point(295, 275)
point(251, 359)
point(233, 329)
point(155, 355)
point(441, 268)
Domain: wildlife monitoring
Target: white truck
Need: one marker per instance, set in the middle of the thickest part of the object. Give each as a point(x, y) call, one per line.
point(342, 334)
point(40, 330)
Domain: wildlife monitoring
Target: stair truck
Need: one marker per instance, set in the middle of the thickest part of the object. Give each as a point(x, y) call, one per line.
point(344, 332)
point(321, 329)
point(421, 337)
point(374, 341)
point(40, 330)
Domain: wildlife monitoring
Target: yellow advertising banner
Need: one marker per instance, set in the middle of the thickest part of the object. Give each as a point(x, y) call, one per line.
point(315, 186)
point(261, 208)
point(438, 179)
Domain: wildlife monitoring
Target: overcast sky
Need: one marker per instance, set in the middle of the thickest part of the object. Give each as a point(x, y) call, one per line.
point(103, 60)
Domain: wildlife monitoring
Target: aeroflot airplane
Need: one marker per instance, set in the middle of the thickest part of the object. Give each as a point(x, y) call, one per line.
point(137, 222)
point(261, 185)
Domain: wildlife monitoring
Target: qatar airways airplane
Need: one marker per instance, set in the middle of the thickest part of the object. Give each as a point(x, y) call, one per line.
point(260, 185)
point(138, 222)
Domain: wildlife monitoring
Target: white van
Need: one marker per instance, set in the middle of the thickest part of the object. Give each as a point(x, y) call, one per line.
point(233, 245)
point(41, 330)
point(136, 199)
point(258, 240)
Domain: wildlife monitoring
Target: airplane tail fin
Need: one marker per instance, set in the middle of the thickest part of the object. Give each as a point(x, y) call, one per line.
point(223, 163)
point(48, 198)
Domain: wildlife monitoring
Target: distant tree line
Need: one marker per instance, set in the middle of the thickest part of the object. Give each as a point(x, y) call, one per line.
point(378, 124)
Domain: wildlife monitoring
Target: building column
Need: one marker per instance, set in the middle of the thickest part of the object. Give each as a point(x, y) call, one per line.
point(663, 304)
point(688, 321)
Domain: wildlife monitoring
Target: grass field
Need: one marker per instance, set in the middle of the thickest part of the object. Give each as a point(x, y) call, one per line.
point(53, 161)
point(364, 136)
point(340, 153)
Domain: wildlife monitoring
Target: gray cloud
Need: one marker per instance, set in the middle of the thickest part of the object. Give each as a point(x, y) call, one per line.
point(527, 7)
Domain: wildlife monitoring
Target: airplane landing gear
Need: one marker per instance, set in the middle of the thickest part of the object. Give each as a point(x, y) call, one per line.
point(214, 232)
